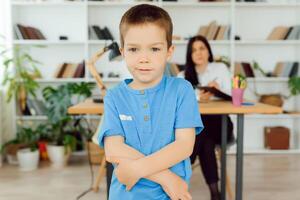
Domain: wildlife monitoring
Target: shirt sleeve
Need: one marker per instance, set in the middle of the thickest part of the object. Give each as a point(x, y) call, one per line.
point(187, 111)
point(111, 124)
point(225, 77)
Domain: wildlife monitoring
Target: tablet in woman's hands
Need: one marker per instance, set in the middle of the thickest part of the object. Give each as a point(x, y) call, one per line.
point(216, 92)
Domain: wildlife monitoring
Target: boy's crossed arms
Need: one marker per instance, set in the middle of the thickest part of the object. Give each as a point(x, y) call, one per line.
point(133, 165)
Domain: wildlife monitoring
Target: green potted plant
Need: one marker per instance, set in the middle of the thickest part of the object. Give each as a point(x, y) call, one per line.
point(62, 134)
point(294, 85)
point(20, 72)
point(27, 152)
point(28, 158)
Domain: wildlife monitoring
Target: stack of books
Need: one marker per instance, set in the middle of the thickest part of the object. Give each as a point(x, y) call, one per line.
point(286, 69)
point(244, 68)
point(28, 33)
point(282, 69)
point(285, 33)
point(96, 33)
point(70, 70)
point(34, 107)
point(213, 31)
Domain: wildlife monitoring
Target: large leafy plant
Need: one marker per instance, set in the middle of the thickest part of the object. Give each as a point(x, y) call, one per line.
point(27, 137)
point(294, 85)
point(57, 102)
point(20, 71)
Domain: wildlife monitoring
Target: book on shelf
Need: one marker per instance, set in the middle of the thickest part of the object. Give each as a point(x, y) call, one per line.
point(28, 33)
point(213, 0)
point(294, 33)
point(244, 68)
point(96, 33)
point(221, 32)
point(285, 33)
point(286, 69)
point(281, 69)
point(213, 31)
point(70, 70)
point(35, 107)
point(278, 69)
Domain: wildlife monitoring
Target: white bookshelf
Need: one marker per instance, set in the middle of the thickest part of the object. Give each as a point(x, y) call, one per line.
point(252, 21)
point(1, 128)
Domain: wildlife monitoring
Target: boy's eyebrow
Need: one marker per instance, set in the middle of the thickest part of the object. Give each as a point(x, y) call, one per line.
point(156, 43)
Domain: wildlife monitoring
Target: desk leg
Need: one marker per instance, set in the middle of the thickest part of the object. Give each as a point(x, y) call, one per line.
point(239, 157)
point(223, 157)
point(109, 171)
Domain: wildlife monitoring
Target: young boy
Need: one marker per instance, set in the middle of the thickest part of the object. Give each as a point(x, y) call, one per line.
point(150, 121)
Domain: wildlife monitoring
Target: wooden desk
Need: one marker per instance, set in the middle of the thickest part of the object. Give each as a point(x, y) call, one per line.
point(214, 107)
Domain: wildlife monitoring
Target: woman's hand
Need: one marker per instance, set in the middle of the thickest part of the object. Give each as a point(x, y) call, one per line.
point(205, 96)
point(214, 84)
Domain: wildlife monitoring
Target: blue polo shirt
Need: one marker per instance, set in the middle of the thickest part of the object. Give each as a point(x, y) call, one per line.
point(147, 120)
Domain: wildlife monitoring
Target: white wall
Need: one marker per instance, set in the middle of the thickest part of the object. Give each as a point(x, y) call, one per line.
point(6, 110)
point(4, 28)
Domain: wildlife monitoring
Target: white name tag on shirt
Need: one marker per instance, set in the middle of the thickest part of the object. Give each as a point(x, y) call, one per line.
point(125, 118)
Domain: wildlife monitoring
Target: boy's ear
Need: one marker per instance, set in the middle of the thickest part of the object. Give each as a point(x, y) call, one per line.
point(170, 52)
point(121, 51)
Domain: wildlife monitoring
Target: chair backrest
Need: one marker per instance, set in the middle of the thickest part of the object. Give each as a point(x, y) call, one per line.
point(96, 135)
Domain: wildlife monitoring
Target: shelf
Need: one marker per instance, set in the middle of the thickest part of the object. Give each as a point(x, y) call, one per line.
point(266, 5)
point(199, 4)
point(76, 80)
point(61, 80)
point(220, 42)
point(268, 79)
point(163, 4)
point(32, 118)
point(110, 80)
point(44, 117)
point(47, 42)
point(16, 3)
point(212, 42)
point(119, 4)
point(102, 42)
point(268, 42)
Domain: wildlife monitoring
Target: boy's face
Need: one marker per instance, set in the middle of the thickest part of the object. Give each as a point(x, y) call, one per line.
point(146, 52)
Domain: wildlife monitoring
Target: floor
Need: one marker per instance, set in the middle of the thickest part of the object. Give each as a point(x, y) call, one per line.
point(275, 177)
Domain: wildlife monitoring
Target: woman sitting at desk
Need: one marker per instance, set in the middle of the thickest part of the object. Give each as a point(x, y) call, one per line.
point(202, 71)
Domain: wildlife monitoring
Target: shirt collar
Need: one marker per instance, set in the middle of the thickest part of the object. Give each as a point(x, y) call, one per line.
point(148, 90)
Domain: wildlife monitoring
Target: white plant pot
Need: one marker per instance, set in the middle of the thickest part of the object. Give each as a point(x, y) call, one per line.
point(28, 160)
point(12, 159)
point(57, 156)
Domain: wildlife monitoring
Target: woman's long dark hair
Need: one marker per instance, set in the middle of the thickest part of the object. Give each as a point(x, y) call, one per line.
point(190, 73)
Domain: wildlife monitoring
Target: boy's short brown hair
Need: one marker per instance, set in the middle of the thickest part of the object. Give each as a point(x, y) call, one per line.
point(143, 14)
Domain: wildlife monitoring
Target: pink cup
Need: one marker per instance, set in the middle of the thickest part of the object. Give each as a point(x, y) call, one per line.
point(237, 96)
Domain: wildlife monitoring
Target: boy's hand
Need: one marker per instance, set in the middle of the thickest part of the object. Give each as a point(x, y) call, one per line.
point(176, 188)
point(127, 174)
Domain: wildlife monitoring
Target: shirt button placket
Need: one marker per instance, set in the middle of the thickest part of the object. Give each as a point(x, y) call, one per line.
point(146, 113)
